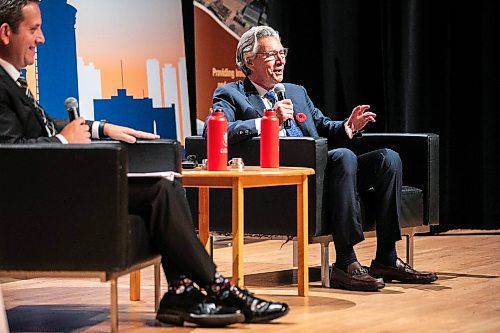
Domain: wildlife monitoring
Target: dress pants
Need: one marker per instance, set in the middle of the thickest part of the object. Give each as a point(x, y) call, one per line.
point(348, 175)
point(164, 207)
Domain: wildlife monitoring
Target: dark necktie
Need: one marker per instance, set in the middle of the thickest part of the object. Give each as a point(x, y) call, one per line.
point(294, 130)
point(48, 123)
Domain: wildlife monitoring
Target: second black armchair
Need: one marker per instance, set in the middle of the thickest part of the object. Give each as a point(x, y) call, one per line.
point(420, 198)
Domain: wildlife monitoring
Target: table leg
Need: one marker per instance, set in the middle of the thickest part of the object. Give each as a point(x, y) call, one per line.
point(203, 216)
point(302, 235)
point(135, 285)
point(238, 232)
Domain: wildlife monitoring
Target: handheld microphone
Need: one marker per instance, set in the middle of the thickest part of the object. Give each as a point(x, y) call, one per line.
point(71, 105)
point(279, 90)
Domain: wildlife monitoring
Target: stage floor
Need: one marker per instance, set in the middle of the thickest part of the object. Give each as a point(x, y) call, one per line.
point(464, 299)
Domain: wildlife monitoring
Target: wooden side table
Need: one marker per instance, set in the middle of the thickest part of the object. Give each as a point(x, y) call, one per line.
point(249, 177)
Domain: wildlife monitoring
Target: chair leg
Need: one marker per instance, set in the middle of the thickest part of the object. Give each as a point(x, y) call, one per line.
point(325, 265)
point(409, 248)
point(114, 305)
point(157, 286)
point(295, 264)
point(135, 286)
point(211, 240)
point(295, 253)
point(4, 325)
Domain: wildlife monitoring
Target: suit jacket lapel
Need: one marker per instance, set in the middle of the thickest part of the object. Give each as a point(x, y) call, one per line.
point(253, 97)
point(307, 127)
point(18, 91)
point(306, 130)
point(14, 88)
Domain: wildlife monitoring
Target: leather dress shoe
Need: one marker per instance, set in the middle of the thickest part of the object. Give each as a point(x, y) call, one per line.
point(356, 278)
point(193, 306)
point(256, 310)
point(402, 272)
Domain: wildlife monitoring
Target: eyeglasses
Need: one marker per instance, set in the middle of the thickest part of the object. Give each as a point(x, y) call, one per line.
point(272, 55)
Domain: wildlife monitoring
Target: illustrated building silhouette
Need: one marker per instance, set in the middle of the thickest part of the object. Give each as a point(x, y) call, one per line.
point(137, 113)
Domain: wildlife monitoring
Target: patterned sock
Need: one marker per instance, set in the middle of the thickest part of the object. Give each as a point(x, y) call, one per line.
point(181, 285)
point(344, 257)
point(219, 286)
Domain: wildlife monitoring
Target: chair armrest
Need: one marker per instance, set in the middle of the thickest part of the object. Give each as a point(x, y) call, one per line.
point(419, 153)
point(155, 155)
point(249, 150)
point(152, 155)
point(294, 151)
point(63, 207)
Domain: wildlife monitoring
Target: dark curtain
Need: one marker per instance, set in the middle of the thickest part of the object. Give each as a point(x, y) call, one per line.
point(423, 66)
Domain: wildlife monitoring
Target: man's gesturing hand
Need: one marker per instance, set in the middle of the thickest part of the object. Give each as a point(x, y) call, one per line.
point(358, 119)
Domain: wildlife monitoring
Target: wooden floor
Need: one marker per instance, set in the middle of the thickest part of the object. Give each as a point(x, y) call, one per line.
point(466, 298)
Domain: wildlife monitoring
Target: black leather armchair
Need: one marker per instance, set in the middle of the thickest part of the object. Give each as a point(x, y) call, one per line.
point(64, 210)
point(420, 199)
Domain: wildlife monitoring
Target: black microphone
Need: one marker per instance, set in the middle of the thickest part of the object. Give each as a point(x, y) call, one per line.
point(279, 90)
point(71, 105)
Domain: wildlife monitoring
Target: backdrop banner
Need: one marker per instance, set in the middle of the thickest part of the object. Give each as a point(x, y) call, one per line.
point(218, 26)
point(123, 60)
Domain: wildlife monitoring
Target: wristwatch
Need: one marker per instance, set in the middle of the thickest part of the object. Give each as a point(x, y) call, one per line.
point(101, 129)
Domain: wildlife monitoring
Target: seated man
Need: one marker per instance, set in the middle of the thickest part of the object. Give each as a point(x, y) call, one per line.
point(160, 202)
point(262, 57)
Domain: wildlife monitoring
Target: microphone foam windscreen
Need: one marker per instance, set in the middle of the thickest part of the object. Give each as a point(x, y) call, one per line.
point(279, 87)
point(70, 103)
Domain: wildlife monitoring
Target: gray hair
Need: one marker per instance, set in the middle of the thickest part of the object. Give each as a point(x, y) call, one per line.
point(11, 12)
point(247, 46)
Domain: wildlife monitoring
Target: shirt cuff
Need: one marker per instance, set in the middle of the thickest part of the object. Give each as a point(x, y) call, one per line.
point(62, 139)
point(95, 130)
point(257, 125)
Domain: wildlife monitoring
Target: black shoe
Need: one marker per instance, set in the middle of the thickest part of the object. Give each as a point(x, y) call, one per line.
point(194, 307)
point(356, 278)
point(403, 273)
point(256, 310)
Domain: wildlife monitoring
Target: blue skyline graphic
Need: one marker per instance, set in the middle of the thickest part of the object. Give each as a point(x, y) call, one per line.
point(123, 110)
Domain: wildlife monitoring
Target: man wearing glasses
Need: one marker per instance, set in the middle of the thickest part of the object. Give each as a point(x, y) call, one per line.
point(262, 58)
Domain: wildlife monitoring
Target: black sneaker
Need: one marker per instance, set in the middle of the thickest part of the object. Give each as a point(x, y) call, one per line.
point(256, 310)
point(191, 305)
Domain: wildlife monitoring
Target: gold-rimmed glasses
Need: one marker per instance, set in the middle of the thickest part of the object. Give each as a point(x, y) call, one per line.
point(272, 55)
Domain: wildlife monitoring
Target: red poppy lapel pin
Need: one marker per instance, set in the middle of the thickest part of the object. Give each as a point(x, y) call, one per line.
point(300, 117)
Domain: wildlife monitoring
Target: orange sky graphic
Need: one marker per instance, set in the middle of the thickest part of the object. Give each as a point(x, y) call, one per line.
point(115, 32)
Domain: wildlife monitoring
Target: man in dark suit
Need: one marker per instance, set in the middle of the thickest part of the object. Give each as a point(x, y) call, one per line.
point(262, 57)
point(160, 202)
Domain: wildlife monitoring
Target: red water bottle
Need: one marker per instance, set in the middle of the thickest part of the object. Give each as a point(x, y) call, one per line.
point(217, 141)
point(269, 140)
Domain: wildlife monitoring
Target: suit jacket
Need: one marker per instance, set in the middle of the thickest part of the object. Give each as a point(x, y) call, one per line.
point(19, 121)
point(241, 104)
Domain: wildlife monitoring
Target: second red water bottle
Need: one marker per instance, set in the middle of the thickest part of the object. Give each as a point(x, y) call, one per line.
point(217, 141)
point(269, 140)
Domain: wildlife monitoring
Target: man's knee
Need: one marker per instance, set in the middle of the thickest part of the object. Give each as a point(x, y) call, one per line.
point(343, 159)
point(167, 187)
point(391, 160)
